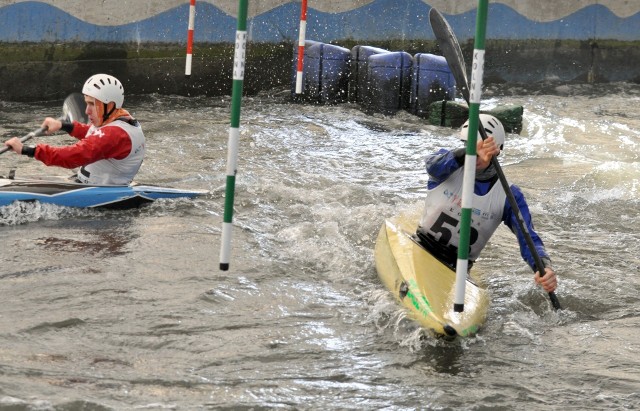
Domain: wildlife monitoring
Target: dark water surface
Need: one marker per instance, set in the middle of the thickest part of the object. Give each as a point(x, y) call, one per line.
point(128, 310)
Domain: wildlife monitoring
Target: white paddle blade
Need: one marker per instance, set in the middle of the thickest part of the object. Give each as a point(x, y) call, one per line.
point(74, 107)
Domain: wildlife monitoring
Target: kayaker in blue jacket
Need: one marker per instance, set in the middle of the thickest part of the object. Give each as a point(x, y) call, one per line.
point(439, 229)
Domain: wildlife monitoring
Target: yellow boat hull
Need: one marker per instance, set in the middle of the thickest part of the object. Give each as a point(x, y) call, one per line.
point(424, 285)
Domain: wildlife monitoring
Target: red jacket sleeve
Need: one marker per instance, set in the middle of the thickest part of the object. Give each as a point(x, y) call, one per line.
point(103, 143)
point(80, 130)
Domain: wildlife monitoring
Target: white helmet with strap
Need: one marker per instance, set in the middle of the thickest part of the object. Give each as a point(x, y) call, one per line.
point(492, 126)
point(105, 88)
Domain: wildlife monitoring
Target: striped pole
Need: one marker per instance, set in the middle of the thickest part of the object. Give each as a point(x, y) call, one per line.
point(477, 72)
point(234, 132)
point(301, 39)
point(192, 18)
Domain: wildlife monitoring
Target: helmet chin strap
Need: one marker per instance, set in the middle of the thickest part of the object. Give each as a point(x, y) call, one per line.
point(106, 114)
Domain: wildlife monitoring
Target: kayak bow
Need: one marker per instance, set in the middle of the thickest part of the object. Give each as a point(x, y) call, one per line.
point(423, 284)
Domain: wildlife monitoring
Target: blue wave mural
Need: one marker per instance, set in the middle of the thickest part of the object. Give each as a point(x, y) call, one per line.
point(379, 20)
point(36, 22)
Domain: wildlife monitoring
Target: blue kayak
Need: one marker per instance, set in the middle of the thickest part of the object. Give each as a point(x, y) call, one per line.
point(63, 192)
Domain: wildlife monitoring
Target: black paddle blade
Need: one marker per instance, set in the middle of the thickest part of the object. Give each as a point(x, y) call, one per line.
point(451, 50)
point(74, 107)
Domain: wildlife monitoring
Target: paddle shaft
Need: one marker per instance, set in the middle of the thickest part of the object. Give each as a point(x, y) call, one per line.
point(37, 133)
point(453, 54)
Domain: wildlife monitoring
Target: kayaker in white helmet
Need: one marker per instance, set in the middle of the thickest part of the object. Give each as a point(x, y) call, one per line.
point(439, 228)
point(111, 147)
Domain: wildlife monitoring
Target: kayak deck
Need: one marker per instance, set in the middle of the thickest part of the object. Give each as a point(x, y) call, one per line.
point(424, 285)
point(64, 192)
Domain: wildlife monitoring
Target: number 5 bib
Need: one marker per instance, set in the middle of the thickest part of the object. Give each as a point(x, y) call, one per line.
point(443, 207)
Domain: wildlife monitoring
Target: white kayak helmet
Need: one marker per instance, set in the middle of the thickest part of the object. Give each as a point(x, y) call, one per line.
point(105, 88)
point(492, 126)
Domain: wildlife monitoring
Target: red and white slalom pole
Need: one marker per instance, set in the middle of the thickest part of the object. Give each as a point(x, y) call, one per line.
point(301, 40)
point(192, 18)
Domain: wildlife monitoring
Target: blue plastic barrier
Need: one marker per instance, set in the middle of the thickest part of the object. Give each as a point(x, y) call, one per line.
point(389, 76)
point(358, 78)
point(431, 81)
point(325, 73)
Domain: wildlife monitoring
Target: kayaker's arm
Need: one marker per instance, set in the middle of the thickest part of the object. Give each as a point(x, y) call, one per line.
point(73, 128)
point(29, 151)
point(88, 150)
point(442, 164)
point(78, 130)
point(549, 280)
point(16, 145)
point(67, 126)
point(50, 125)
point(509, 219)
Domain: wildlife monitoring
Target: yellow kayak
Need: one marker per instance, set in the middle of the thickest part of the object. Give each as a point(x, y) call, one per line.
point(424, 285)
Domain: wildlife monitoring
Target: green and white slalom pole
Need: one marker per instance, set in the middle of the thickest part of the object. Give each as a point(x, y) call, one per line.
point(477, 71)
point(234, 133)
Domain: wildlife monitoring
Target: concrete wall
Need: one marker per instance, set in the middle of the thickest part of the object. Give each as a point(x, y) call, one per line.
point(49, 47)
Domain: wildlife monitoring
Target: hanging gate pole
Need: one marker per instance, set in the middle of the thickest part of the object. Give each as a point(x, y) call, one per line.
point(301, 40)
point(234, 133)
point(192, 18)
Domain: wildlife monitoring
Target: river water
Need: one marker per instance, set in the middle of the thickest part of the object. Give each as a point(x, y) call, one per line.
point(128, 310)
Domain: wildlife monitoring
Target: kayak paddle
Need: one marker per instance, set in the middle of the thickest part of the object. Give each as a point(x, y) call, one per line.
point(72, 109)
point(453, 54)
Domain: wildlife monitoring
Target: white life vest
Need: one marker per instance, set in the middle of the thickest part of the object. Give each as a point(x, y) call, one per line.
point(443, 208)
point(116, 172)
